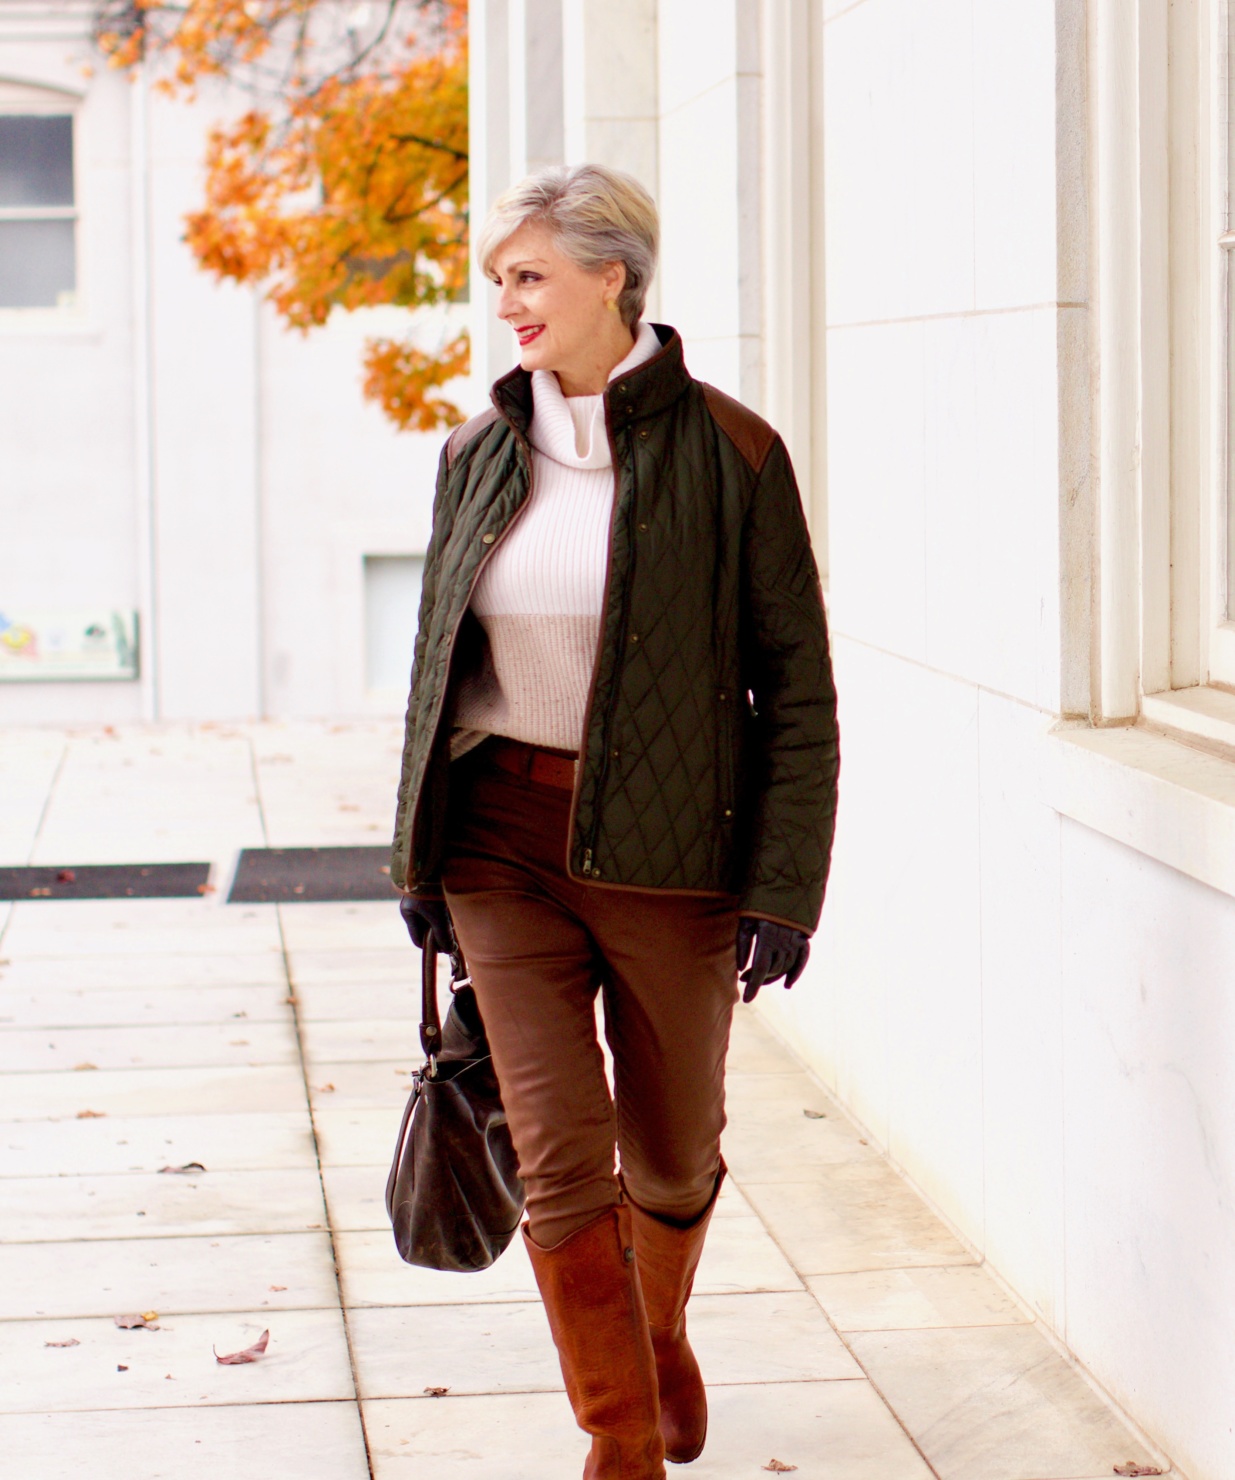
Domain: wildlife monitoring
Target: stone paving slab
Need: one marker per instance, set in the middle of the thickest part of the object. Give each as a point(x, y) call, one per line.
point(845, 1330)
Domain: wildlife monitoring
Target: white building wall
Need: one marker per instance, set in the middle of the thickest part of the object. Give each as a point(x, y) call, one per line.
point(169, 447)
point(1029, 1016)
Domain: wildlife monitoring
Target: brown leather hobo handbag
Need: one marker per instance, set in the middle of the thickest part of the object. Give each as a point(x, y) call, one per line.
point(454, 1195)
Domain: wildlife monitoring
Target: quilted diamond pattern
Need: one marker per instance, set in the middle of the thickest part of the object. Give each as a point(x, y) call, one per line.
point(710, 754)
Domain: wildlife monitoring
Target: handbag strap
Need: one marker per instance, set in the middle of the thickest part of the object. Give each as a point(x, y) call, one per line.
point(430, 1021)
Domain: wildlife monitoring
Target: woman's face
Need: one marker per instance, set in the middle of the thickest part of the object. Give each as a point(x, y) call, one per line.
point(559, 311)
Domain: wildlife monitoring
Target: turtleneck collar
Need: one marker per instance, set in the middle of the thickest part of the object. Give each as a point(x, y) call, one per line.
point(571, 430)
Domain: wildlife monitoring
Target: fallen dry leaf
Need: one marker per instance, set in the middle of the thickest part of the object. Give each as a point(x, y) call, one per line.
point(66, 876)
point(436, 1392)
point(134, 1323)
point(1132, 1468)
point(72, 1341)
point(815, 1114)
point(277, 1288)
point(250, 1353)
point(120, 1367)
point(92, 1114)
point(778, 1468)
point(206, 889)
point(79, 1067)
point(238, 1043)
point(189, 1166)
point(324, 1089)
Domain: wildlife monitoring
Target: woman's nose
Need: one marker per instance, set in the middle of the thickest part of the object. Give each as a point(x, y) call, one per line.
point(505, 303)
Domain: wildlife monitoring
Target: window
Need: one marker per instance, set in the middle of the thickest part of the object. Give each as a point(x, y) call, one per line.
point(38, 251)
point(392, 610)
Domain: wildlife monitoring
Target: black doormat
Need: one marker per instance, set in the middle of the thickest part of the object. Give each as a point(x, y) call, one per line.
point(311, 875)
point(106, 881)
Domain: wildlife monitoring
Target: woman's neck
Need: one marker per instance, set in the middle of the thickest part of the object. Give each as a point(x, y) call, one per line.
point(608, 352)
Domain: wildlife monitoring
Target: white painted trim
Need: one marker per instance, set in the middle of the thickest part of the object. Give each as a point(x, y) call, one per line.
point(1192, 253)
point(1200, 713)
point(1222, 652)
point(17, 96)
point(1156, 449)
point(1169, 801)
point(1118, 203)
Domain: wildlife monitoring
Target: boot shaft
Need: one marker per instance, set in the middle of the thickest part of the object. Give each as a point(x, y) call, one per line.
point(590, 1287)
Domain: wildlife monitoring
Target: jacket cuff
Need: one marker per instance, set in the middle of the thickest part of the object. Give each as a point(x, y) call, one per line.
point(776, 920)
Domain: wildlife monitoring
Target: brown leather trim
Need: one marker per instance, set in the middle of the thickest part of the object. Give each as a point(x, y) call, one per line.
point(750, 434)
point(650, 889)
point(776, 920)
point(461, 436)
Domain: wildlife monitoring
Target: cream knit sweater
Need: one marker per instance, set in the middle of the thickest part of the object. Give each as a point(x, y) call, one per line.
point(539, 598)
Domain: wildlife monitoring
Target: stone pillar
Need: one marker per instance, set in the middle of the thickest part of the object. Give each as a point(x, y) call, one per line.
point(515, 87)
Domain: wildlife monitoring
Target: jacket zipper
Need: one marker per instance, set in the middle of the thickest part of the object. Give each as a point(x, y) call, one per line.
point(454, 636)
point(600, 643)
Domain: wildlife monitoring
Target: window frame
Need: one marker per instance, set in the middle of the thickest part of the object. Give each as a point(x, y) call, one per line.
point(21, 98)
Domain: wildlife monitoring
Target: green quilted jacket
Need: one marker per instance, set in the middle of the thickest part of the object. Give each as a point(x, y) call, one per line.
point(709, 755)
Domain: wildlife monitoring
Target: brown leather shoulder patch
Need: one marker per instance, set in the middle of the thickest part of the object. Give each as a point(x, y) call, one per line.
point(750, 434)
point(473, 427)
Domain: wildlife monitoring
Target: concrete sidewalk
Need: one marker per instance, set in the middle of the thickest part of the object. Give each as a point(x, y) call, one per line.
point(843, 1329)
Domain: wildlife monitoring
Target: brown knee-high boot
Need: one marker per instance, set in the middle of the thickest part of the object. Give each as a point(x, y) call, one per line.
point(668, 1257)
point(590, 1285)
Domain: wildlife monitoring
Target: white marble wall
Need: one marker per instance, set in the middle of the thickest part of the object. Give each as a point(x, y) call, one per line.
point(1030, 1017)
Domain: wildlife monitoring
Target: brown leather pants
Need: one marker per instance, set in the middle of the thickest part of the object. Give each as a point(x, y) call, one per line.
point(540, 946)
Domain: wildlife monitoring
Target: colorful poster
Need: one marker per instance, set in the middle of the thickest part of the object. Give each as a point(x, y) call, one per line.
point(51, 646)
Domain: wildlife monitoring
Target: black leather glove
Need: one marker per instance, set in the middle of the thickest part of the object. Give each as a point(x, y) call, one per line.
point(766, 951)
point(425, 917)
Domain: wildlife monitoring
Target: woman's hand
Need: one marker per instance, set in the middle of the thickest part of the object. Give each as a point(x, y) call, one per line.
point(766, 951)
point(427, 916)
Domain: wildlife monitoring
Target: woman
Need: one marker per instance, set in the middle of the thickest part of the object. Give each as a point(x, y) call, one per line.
point(619, 776)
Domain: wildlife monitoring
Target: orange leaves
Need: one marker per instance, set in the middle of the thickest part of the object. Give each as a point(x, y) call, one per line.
point(400, 378)
point(344, 186)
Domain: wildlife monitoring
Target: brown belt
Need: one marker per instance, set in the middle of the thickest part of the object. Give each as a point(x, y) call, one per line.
point(546, 767)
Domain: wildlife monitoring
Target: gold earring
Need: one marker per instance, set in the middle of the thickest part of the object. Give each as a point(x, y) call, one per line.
point(611, 304)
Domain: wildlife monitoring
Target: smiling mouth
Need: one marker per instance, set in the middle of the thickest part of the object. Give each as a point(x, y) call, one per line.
point(528, 332)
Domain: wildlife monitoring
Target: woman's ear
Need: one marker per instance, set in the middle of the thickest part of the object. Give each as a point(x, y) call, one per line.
point(613, 275)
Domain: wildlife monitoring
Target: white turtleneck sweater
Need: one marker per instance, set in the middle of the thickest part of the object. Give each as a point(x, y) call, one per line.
point(540, 597)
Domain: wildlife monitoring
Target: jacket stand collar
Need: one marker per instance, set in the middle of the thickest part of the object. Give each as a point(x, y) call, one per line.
point(643, 391)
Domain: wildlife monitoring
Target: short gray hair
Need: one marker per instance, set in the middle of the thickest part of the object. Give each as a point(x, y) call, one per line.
point(597, 216)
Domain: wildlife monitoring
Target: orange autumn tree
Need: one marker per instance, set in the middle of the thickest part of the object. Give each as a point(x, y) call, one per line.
point(343, 184)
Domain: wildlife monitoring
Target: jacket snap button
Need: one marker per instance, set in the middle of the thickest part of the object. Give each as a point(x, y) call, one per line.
point(644, 434)
point(622, 388)
point(634, 637)
point(643, 526)
point(722, 696)
point(628, 1255)
point(615, 752)
point(487, 539)
point(728, 812)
